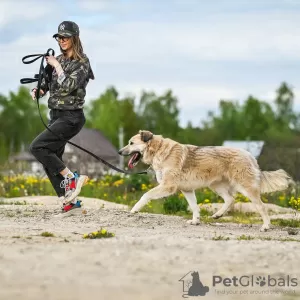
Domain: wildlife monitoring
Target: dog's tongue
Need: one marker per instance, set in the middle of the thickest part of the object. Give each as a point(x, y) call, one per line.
point(130, 163)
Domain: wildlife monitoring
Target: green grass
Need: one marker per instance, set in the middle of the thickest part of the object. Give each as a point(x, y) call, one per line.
point(267, 238)
point(101, 233)
point(220, 238)
point(47, 234)
point(245, 237)
point(286, 223)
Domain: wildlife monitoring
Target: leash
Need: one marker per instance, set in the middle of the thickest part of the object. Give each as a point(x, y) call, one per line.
point(46, 73)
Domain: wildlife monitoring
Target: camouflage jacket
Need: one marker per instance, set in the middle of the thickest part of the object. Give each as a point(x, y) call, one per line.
point(68, 91)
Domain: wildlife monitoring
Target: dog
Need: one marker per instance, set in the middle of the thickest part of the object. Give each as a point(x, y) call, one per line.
point(186, 168)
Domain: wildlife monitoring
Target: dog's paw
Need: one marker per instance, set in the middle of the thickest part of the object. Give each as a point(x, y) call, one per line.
point(216, 216)
point(264, 228)
point(134, 211)
point(193, 222)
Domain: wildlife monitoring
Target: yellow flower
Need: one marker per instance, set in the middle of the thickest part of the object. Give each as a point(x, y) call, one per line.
point(118, 182)
point(103, 231)
point(206, 201)
point(85, 235)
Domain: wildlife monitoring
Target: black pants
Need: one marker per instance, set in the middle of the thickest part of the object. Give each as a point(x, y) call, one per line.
point(48, 149)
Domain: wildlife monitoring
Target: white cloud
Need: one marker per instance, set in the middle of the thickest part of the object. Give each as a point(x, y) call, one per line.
point(100, 5)
point(250, 37)
point(23, 10)
point(161, 55)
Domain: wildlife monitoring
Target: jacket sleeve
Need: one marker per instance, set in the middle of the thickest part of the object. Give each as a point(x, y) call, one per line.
point(75, 78)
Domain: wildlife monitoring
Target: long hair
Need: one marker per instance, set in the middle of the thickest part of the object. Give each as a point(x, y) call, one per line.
point(76, 47)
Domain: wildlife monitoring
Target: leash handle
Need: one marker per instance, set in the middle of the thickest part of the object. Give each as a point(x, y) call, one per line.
point(28, 80)
point(48, 52)
point(37, 56)
point(38, 78)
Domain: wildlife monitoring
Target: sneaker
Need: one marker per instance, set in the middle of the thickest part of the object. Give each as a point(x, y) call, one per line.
point(73, 186)
point(71, 209)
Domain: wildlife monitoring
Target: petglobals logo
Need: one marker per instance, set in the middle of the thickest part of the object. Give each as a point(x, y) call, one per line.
point(194, 285)
point(255, 281)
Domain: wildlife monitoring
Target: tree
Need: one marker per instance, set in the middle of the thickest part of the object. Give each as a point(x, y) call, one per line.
point(284, 107)
point(159, 114)
point(129, 120)
point(257, 118)
point(19, 121)
point(104, 114)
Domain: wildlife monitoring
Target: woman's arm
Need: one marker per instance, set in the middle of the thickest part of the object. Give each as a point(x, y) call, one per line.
point(78, 73)
point(75, 78)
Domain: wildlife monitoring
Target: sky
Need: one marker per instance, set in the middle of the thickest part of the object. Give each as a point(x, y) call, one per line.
point(204, 51)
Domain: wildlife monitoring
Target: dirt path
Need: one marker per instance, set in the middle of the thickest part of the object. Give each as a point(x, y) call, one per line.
point(145, 260)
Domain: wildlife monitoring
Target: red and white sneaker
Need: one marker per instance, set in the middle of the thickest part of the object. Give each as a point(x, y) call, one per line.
point(73, 187)
point(71, 209)
point(72, 206)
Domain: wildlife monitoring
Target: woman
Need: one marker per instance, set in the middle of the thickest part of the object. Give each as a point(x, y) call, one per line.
point(71, 74)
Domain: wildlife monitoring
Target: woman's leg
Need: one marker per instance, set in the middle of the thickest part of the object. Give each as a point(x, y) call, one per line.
point(48, 148)
point(57, 179)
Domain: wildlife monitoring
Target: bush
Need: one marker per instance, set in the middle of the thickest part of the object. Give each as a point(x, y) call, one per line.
point(174, 204)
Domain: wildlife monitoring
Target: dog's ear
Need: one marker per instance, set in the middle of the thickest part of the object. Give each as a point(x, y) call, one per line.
point(146, 135)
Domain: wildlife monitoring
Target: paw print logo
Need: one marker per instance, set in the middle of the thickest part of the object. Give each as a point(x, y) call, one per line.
point(261, 281)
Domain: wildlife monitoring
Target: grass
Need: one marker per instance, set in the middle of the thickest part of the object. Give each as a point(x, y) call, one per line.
point(47, 234)
point(286, 223)
point(101, 233)
point(242, 218)
point(267, 238)
point(250, 238)
point(220, 238)
point(232, 217)
point(128, 189)
point(245, 237)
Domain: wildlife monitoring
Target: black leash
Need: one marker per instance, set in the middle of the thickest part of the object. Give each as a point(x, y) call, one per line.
point(46, 74)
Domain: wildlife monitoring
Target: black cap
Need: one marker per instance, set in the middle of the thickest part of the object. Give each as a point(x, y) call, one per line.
point(67, 29)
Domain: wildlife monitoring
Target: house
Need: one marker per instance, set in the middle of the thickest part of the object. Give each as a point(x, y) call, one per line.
point(254, 147)
point(76, 159)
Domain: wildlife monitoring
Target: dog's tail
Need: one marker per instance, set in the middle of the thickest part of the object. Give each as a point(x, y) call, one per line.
point(273, 181)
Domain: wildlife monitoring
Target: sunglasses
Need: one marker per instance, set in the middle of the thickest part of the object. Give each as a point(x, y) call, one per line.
point(62, 38)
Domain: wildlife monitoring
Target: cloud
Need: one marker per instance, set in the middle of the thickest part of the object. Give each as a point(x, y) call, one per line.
point(243, 37)
point(25, 10)
point(202, 52)
point(100, 5)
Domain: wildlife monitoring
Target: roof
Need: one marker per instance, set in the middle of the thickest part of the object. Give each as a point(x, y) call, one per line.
point(254, 147)
point(23, 155)
point(88, 138)
point(94, 141)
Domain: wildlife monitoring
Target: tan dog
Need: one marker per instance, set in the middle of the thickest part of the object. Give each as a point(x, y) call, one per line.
point(185, 168)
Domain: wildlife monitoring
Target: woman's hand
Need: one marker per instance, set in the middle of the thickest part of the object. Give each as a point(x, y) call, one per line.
point(51, 60)
point(33, 93)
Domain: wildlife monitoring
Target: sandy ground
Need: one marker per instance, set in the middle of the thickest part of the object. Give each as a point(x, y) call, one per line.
point(145, 260)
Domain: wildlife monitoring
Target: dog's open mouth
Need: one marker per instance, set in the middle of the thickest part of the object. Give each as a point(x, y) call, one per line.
point(134, 159)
